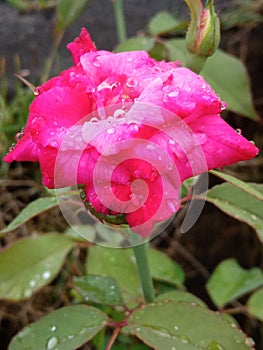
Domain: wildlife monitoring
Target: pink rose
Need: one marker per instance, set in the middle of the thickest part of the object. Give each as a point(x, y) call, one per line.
point(130, 129)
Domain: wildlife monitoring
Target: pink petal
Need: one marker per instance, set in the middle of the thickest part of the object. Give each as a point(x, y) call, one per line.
point(81, 45)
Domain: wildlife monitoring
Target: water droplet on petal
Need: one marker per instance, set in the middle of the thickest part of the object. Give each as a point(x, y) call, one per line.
point(96, 62)
point(131, 82)
point(252, 142)
point(52, 342)
point(12, 147)
point(119, 113)
point(37, 91)
point(94, 120)
point(53, 144)
point(171, 142)
point(173, 94)
point(239, 131)
point(20, 134)
point(223, 106)
point(111, 131)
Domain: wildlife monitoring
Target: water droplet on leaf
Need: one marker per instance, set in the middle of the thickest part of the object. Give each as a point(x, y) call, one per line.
point(46, 275)
point(52, 342)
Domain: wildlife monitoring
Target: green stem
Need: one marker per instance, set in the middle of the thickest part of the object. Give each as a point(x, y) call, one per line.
point(140, 252)
point(119, 20)
point(195, 62)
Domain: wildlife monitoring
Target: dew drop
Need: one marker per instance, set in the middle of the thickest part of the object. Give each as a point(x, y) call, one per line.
point(52, 342)
point(171, 142)
point(131, 82)
point(110, 120)
point(173, 94)
point(12, 147)
point(94, 120)
point(214, 345)
point(252, 142)
point(46, 275)
point(20, 134)
point(53, 144)
point(150, 146)
point(223, 106)
point(32, 283)
point(250, 341)
point(111, 131)
point(176, 328)
point(96, 63)
point(119, 113)
point(53, 328)
point(36, 91)
point(239, 131)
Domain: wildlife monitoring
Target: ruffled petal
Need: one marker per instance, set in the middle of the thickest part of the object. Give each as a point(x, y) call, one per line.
point(81, 45)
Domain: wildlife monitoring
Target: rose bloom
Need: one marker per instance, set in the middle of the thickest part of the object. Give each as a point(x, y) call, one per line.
point(130, 129)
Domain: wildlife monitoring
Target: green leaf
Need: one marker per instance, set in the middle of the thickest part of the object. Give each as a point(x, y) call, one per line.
point(138, 43)
point(34, 208)
point(119, 264)
point(255, 304)
point(30, 264)
point(229, 78)
point(239, 204)
point(68, 11)
point(230, 281)
point(164, 269)
point(178, 295)
point(99, 289)
point(81, 233)
point(182, 326)
point(163, 23)
point(226, 74)
point(255, 190)
point(64, 329)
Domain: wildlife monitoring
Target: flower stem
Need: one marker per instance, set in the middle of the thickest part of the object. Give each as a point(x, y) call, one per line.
point(140, 253)
point(119, 20)
point(195, 62)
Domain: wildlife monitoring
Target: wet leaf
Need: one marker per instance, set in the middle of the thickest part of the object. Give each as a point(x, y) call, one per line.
point(230, 281)
point(163, 23)
point(64, 329)
point(182, 326)
point(33, 209)
point(253, 189)
point(255, 304)
point(240, 203)
point(177, 295)
point(99, 289)
point(164, 269)
point(30, 264)
point(119, 264)
point(136, 44)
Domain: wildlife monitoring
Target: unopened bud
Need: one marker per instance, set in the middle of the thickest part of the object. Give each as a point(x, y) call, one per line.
point(203, 34)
